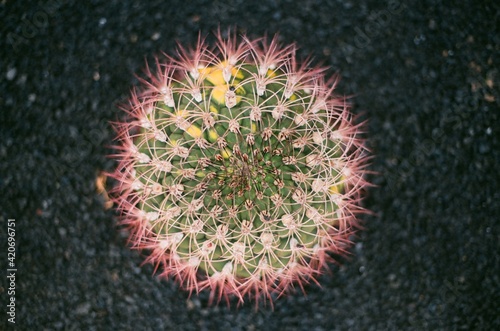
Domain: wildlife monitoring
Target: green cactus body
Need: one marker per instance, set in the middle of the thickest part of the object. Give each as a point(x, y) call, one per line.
point(239, 170)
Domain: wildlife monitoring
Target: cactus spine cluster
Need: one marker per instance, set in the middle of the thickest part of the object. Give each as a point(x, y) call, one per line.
point(239, 170)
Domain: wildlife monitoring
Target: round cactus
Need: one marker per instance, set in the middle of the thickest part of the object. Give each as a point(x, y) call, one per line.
point(239, 169)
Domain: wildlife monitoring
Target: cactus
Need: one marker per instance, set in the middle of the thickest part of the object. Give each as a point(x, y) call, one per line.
point(239, 169)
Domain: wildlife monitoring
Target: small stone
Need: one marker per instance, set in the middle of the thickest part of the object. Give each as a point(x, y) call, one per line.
point(11, 74)
point(83, 309)
point(156, 36)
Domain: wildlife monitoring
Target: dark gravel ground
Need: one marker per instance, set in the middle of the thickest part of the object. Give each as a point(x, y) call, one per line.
point(425, 73)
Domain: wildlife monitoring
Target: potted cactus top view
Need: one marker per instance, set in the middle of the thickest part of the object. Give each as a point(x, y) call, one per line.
point(239, 169)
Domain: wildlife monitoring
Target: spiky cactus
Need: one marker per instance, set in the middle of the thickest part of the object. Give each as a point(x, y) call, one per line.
point(239, 170)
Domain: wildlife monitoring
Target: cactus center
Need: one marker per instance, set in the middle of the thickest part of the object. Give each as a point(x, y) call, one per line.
point(242, 175)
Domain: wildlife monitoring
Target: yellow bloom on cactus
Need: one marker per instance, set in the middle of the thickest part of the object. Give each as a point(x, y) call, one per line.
point(216, 76)
point(194, 131)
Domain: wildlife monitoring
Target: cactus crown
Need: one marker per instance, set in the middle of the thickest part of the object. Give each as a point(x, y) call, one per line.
point(239, 171)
